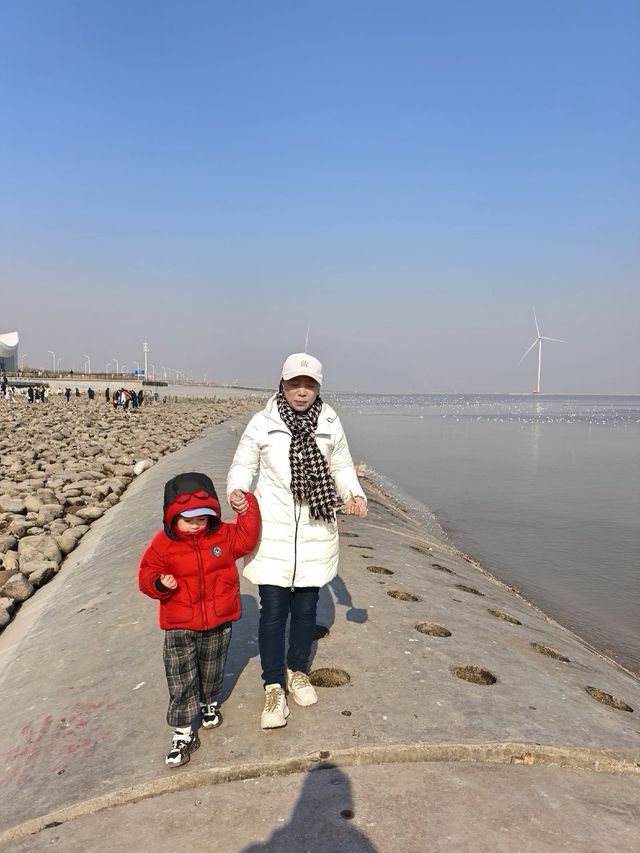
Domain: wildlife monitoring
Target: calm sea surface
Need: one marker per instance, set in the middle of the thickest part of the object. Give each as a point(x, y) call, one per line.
point(545, 491)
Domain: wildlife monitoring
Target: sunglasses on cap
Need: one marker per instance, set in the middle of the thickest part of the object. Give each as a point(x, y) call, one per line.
point(201, 495)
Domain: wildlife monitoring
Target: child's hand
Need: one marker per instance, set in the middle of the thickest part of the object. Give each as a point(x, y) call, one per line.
point(169, 581)
point(238, 502)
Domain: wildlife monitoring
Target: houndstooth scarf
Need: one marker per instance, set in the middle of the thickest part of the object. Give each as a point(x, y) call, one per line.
point(310, 477)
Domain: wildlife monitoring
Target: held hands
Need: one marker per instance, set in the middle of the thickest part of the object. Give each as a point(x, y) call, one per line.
point(238, 502)
point(169, 581)
point(355, 506)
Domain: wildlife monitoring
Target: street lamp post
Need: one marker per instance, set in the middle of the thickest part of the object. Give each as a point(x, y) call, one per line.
point(165, 373)
point(145, 349)
point(153, 370)
point(137, 364)
point(58, 362)
point(53, 356)
point(117, 365)
point(23, 358)
point(106, 367)
point(87, 364)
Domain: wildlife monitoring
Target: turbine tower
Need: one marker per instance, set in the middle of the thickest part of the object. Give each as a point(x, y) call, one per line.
point(538, 341)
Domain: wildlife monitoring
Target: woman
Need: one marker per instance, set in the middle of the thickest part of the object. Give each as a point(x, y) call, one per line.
point(294, 455)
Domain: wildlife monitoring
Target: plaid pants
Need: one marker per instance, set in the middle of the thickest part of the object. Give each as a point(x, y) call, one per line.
point(194, 665)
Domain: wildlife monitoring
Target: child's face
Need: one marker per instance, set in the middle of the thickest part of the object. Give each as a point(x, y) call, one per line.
point(194, 524)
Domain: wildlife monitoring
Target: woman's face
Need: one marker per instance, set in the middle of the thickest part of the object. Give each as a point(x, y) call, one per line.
point(300, 392)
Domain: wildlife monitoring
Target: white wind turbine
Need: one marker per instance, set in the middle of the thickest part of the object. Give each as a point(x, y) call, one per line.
point(538, 341)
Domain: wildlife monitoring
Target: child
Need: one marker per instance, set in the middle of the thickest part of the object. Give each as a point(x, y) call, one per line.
point(189, 566)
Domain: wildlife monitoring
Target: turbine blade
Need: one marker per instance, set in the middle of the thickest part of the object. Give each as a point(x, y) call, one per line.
point(557, 340)
point(529, 350)
point(535, 319)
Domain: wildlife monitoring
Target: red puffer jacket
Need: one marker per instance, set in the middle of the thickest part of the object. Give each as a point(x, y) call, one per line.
point(208, 591)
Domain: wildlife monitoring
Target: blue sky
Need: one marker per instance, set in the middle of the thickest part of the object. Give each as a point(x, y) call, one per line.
point(409, 177)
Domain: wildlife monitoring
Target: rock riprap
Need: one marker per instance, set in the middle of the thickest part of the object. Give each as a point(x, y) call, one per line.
point(63, 465)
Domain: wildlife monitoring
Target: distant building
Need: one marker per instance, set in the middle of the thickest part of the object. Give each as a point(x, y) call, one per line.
point(9, 352)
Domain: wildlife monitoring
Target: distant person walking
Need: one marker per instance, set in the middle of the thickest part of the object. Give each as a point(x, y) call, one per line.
point(296, 454)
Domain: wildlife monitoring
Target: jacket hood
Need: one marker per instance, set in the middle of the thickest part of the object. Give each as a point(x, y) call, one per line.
point(189, 491)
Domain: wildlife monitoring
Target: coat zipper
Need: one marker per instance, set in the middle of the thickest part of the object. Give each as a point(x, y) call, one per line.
point(202, 590)
point(295, 543)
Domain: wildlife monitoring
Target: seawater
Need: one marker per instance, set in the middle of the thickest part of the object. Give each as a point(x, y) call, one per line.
point(543, 490)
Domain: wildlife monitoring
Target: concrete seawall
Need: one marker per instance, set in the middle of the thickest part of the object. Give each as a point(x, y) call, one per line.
point(407, 754)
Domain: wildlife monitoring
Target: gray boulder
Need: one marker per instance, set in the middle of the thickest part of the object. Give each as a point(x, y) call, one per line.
point(19, 527)
point(7, 604)
point(18, 587)
point(14, 505)
point(8, 542)
point(142, 465)
point(5, 575)
point(49, 513)
point(90, 513)
point(39, 572)
point(33, 503)
point(67, 541)
point(10, 561)
point(46, 546)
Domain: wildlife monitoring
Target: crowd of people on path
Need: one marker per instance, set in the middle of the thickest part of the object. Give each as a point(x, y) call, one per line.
point(291, 473)
point(121, 399)
point(32, 393)
point(125, 397)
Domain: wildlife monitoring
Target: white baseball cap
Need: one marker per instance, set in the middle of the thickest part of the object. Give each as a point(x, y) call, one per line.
point(302, 364)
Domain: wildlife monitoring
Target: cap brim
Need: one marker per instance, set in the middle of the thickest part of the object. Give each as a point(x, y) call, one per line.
point(203, 510)
point(288, 374)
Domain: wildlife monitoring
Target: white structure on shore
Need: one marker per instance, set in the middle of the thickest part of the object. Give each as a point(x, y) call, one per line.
point(538, 341)
point(9, 352)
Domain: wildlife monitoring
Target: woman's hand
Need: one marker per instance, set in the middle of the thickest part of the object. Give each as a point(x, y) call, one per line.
point(169, 581)
point(355, 506)
point(238, 502)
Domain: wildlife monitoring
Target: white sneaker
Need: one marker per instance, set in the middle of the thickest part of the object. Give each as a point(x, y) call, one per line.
point(301, 688)
point(275, 711)
point(182, 745)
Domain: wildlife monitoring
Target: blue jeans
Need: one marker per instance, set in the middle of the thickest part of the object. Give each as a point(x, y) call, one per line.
point(276, 603)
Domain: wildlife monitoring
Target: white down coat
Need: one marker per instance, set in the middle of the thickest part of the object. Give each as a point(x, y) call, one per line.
point(294, 549)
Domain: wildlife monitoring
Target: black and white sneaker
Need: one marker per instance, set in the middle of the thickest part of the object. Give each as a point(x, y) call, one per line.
point(182, 745)
point(211, 716)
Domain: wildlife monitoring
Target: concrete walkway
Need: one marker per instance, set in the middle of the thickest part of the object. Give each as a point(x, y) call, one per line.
point(405, 755)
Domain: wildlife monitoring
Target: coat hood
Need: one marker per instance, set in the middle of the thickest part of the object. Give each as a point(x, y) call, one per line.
point(189, 491)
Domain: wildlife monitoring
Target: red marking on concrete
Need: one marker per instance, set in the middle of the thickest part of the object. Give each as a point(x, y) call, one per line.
point(44, 744)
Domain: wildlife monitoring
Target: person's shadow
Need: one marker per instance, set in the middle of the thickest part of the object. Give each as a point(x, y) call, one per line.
point(321, 818)
point(326, 613)
point(243, 645)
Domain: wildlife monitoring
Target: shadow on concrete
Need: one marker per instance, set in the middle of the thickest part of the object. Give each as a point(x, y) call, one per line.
point(326, 608)
point(243, 645)
point(321, 819)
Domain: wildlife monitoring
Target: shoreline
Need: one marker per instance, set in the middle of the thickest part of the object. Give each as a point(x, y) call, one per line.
point(448, 542)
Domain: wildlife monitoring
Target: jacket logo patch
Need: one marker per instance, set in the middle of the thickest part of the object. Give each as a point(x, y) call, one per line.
point(216, 550)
